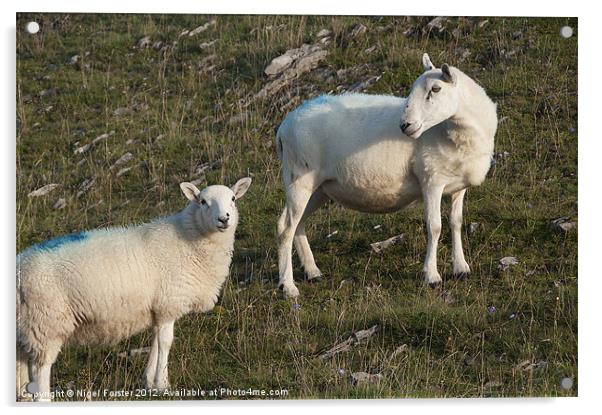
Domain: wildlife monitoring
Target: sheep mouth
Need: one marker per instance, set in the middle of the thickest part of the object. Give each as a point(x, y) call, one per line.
point(222, 228)
point(414, 132)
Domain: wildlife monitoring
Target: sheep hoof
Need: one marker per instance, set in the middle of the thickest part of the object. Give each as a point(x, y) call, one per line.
point(435, 284)
point(289, 291)
point(314, 277)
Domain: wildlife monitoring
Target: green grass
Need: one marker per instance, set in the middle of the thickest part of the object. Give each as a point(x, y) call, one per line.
point(255, 339)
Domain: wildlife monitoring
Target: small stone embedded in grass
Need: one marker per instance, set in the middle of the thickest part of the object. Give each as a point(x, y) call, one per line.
point(482, 23)
point(44, 190)
point(206, 45)
point(355, 338)
point(493, 384)
point(357, 30)
point(144, 42)
point(491, 309)
point(378, 247)
point(124, 171)
point(121, 111)
point(473, 227)
point(201, 28)
point(563, 224)
point(507, 262)
point(48, 92)
point(85, 186)
point(122, 160)
point(323, 33)
point(135, 352)
point(435, 26)
point(404, 348)
point(198, 181)
point(371, 49)
point(363, 377)
point(60, 204)
point(82, 149)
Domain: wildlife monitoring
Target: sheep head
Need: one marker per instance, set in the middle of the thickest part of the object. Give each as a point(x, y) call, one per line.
point(433, 99)
point(216, 205)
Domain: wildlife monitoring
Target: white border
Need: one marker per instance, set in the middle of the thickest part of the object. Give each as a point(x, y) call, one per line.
point(589, 150)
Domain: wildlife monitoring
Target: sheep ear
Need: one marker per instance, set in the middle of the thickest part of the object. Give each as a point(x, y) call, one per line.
point(190, 191)
point(241, 187)
point(426, 62)
point(448, 76)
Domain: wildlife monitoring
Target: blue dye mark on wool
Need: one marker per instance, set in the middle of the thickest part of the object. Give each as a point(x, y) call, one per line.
point(59, 241)
point(319, 100)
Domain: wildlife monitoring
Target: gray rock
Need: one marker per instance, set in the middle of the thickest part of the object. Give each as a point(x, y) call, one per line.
point(44, 190)
point(121, 111)
point(323, 33)
point(473, 227)
point(103, 137)
point(144, 42)
point(437, 25)
point(201, 28)
point(378, 247)
point(563, 224)
point(346, 345)
point(507, 262)
point(122, 160)
point(206, 45)
point(357, 30)
point(49, 92)
point(60, 204)
point(363, 377)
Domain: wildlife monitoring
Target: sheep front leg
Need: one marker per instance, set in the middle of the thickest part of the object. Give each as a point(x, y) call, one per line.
point(151, 366)
point(461, 268)
point(165, 339)
point(432, 209)
point(41, 378)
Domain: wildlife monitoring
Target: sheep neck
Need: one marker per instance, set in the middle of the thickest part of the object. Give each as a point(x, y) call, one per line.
point(473, 125)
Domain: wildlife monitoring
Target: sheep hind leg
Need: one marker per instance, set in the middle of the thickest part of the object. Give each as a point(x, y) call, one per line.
point(461, 268)
point(297, 198)
point(312, 272)
point(151, 366)
point(22, 374)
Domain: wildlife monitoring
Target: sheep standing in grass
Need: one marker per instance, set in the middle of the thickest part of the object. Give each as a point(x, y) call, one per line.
point(102, 286)
point(379, 154)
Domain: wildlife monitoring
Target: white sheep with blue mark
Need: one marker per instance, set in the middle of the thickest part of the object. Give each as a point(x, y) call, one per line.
point(102, 286)
point(379, 154)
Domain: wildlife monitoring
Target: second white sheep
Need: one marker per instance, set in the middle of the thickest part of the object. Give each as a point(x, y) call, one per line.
point(100, 287)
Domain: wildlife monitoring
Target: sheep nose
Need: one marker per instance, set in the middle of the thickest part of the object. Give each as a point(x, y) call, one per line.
point(405, 126)
point(224, 219)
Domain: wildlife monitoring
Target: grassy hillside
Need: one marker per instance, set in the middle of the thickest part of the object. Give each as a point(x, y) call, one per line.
point(186, 109)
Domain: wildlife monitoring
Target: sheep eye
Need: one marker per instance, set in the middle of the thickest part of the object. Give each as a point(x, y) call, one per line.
point(233, 198)
point(203, 202)
point(436, 89)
